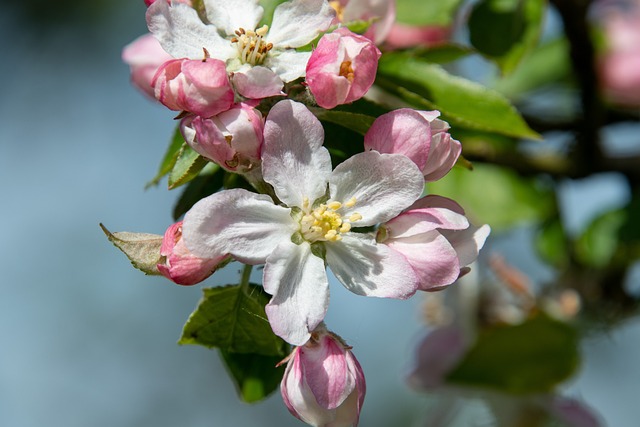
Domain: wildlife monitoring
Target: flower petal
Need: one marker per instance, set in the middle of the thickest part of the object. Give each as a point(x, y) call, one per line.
point(323, 361)
point(288, 64)
point(293, 158)
point(183, 35)
point(246, 225)
point(258, 83)
point(297, 22)
point(383, 185)
point(467, 243)
point(297, 279)
point(230, 15)
point(370, 269)
point(432, 257)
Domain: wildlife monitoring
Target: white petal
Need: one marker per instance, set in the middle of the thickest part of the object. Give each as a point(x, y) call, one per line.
point(288, 64)
point(371, 269)
point(293, 158)
point(183, 35)
point(432, 257)
point(258, 83)
point(467, 243)
point(297, 279)
point(230, 15)
point(383, 185)
point(297, 22)
point(246, 225)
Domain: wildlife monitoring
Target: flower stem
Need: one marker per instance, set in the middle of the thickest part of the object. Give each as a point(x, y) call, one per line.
point(246, 275)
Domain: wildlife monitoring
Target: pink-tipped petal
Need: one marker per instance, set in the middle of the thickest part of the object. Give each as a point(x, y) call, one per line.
point(258, 83)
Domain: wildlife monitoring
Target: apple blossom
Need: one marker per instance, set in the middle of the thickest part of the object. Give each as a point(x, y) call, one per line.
point(342, 68)
point(231, 139)
point(419, 135)
point(181, 266)
point(381, 12)
point(260, 59)
point(144, 56)
point(312, 224)
point(403, 36)
point(150, 2)
point(323, 384)
point(436, 238)
point(200, 87)
point(620, 64)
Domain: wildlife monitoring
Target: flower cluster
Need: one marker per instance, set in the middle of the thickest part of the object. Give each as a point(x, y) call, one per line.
point(248, 93)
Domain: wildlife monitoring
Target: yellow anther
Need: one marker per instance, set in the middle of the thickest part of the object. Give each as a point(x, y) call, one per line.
point(305, 203)
point(351, 202)
point(345, 227)
point(355, 217)
point(262, 31)
point(334, 206)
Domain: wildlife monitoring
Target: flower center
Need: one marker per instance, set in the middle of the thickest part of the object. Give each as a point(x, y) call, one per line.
point(251, 45)
point(346, 70)
point(325, 223)
point(335, 4)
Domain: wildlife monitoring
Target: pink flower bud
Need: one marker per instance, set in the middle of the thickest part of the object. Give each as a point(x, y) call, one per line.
point(231, 139)
point(150, 2)
point(382, 13)
point(620, 65)
point(144, 56)
point(181, 266)
point(323, 384)
point(419, 135)
point(403, 36)
point(342, 68)
point(436, 239)
point(197, 86)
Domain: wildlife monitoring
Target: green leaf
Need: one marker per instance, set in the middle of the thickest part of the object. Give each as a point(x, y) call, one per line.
point(206, 183)
point(597, 246)
point(233, 319)
point(463, 102)
point(254, 375)
point(495, 26)
point(426, 12)
point(142, 249)
point(506, 30)
point(187, 166)
point(551, 243)
point(358, 122)
point(495, 195)
point(170, 157)
point(533, 357)
point(548, 63)
point(440, 54)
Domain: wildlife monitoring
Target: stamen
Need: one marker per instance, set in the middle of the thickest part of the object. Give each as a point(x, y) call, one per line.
point(334, 205)
point(252, 48)
point(351, 202)
point(355, 217)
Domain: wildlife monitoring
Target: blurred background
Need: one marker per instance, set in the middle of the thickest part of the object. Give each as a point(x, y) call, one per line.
point(89, 341)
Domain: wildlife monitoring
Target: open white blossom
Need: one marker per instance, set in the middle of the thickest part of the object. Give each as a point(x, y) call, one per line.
point(260, 58)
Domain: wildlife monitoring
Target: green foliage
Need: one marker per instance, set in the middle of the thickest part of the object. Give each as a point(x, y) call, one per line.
point(496, 195)
point(206, 183)
point(232, 318)
point(142, 249)
point(170, 157)
point(440, 54)
point(357, 122)
point(426, 12)
point(551, 243)
point(187, 166)
point(269, 7)
point(254, 375)
point(533, 357)
point(548, 63)
point(506, 30)
point(462, 102)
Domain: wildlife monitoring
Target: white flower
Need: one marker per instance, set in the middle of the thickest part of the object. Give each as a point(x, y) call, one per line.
point(313, 224)
point(260, 58)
